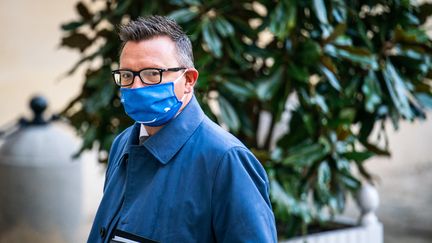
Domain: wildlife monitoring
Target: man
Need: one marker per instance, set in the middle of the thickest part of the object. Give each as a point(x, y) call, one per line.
point(175, 176)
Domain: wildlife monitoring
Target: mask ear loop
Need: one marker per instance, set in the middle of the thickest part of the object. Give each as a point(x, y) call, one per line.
point(184, 94)
point(177, 79)
point(182, 101)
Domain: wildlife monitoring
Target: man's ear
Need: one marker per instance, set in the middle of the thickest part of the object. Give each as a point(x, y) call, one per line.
point(191, 78)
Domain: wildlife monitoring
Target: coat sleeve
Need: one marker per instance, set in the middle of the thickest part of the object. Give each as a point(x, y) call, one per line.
point(241, 209)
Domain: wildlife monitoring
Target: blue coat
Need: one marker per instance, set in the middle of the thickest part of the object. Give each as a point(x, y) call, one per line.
point(190, 182)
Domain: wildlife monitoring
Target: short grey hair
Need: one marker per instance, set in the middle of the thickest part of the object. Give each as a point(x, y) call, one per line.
point(145, 28)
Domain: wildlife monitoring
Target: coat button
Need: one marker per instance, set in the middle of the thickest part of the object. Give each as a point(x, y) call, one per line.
point(102, 232)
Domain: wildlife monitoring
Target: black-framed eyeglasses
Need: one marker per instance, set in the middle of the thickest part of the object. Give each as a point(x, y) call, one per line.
point(150, 76)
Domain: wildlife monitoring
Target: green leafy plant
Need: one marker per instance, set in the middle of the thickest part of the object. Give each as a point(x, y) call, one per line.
point(301, 83)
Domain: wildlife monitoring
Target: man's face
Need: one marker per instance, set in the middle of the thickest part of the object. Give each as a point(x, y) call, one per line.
point(157, 52)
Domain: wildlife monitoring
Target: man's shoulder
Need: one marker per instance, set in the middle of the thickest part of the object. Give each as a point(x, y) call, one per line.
point(120, 142)
point(123, 137)
point(216, 138)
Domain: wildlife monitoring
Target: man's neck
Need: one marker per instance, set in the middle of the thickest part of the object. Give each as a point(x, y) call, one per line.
point(152, 130)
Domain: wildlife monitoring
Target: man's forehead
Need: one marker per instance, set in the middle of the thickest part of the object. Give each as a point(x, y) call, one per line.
point(154, 44)
point(159, 49)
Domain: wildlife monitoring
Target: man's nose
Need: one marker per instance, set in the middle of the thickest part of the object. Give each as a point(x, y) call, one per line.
point(137, 83)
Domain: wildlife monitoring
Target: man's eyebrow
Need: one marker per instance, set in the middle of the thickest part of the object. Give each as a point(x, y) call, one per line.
point(153, 65)
point(136, 70)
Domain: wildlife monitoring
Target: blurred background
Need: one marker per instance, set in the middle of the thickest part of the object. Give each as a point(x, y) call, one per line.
point(31, 63)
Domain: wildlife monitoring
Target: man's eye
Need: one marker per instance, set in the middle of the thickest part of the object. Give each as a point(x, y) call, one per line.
point(150, 73)
point(126, 75)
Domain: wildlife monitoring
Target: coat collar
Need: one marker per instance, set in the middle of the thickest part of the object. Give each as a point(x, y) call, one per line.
point(168, 141)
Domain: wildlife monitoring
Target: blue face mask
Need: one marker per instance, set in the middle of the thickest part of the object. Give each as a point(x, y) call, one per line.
point(152, 105)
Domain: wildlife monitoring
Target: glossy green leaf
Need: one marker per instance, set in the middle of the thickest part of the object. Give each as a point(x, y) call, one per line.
point(412, 19)
point(413, 35)
point(183, 3)
point(339, 11)
point(183, 15)
point(83, 11)
point(359, 56)
point(211, 39)
point(338, 31)
point(283, 18)
point(266, 88)
point(322, 187)
point(320, 101)
point(297, 72)
point(89, 136)
point(280, 197)
point(193, 2)
point(347, 114)
point(224, 27)
point(349, 181)
point(309, 123)
point(331, 77)
point(324, 174)
point(238, 89)
point(343, 163)
point(228, 114)
point(306, 155)
point(425, 99)
point(358, 156)
point(363, 34)
point(398, 90)
point(102, 99)
point(309, 52)
point(320, 11)
point(372, 92)
point(76, 40)
point(72, 25)
point(375, 149)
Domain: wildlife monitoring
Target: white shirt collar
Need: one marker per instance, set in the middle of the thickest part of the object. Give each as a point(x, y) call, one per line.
point(143, 131)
